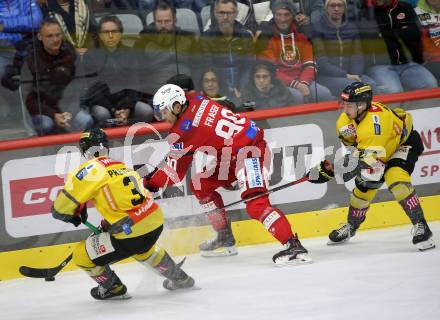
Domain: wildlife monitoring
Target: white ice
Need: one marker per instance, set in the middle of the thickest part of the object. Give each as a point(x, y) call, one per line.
point(378, 275)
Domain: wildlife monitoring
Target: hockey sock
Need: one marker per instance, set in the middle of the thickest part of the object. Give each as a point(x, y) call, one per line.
point(356, 216)
point(358, 207)
point(104, 276)
point(158, 259)
point(169, 269)
point(218, 218)
point(413, 210)
point(407, 197)
point(273, 219)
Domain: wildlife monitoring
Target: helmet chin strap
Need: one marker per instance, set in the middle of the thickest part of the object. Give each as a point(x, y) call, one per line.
point(359, 115)
point(177, 115)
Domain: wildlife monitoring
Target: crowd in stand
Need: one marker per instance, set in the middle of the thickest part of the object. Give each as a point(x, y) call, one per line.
point(74, 64)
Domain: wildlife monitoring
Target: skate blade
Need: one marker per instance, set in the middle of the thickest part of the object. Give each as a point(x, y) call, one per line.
point(220, 252)
point(194, 287)
point(425, 245)
point(301, 258)
point(332, 243)
point(125, 296)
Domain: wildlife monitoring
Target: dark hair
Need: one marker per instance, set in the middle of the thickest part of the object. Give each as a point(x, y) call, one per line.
point(164, 5)
point(48, 21)
point(182, 80)
point(200, 82)
point(111, 18)
point(264, 64)
point(217, 2)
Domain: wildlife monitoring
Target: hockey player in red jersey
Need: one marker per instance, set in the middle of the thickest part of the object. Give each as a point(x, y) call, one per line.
point(241, 155)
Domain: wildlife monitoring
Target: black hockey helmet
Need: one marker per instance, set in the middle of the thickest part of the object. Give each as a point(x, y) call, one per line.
point(358, 92)
point(94, 137)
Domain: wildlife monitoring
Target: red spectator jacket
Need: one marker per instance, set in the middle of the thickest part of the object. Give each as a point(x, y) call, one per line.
point(291, 53)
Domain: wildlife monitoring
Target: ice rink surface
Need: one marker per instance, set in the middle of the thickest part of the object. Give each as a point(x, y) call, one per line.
point(378, 275)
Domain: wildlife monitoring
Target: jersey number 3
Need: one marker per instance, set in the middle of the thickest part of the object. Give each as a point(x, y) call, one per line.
point(138, 197)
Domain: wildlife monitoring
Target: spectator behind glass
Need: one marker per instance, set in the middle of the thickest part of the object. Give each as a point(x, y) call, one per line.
point(164, 49)
point(395, 69)
point(18, 18)
point(76, 21)
point(112, 97)
point(291, 52)
point(338, 49)
point(428, 12)
point(210, 86)
point(307, 12)
point(54, 69)
point(227, 46)
point(197, 5)
point(108, 5)
point(264, 90)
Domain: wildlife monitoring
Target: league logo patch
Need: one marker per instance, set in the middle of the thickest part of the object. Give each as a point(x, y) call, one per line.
point(186, 125)
point(251, 132)
point(84, 171)
point(376, 121)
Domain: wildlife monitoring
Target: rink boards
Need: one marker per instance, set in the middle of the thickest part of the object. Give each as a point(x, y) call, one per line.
point(32, 177)
point(184, 241)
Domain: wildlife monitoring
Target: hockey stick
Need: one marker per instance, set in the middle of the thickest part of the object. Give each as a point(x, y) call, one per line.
point(286, 185)
point(50, 273)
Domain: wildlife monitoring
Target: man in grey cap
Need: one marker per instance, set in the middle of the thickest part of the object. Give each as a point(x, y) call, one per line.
point(306, 12)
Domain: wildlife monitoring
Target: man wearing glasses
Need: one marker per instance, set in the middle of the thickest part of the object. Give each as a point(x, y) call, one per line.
point(227, 46)
point(114, 97)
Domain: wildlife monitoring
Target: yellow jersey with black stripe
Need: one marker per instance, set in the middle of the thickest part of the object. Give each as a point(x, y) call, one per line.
point(117, 193)
point(382, 130)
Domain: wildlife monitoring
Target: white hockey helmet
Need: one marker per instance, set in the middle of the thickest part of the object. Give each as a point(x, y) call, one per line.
point(165, 98)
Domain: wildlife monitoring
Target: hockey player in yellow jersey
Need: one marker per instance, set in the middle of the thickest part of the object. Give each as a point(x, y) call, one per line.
point(387, 148)
point(132, 221)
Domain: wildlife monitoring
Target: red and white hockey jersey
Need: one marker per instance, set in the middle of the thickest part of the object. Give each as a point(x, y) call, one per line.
point(205, 126)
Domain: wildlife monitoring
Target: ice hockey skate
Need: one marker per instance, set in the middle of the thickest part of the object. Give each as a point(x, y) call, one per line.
point(118, 291)
point(221, 246)
point(294, 253)
point(422, 236)
point(185, 283)
point(341, 235)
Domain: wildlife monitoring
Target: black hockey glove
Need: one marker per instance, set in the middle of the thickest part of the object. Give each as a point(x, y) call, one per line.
point(104, 226)
point(11, 78)
point(80, 216)
point(321, 173)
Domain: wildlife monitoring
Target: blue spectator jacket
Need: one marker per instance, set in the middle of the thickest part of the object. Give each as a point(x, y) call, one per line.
point(338, 49)
point(18, 17)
